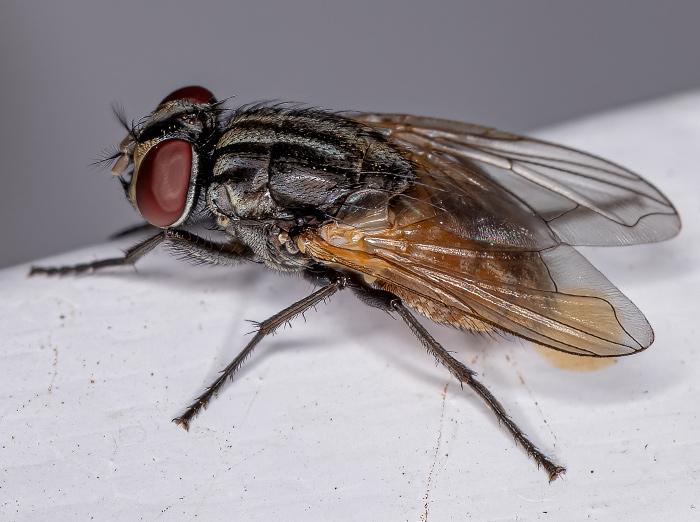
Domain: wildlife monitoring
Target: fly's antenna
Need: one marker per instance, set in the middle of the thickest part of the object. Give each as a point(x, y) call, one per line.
point(120, 114)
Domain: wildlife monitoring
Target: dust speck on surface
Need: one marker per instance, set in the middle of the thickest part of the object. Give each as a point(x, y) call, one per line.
point(426, 497)
point(54, 365)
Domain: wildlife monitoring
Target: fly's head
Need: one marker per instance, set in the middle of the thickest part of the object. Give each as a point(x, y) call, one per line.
point(163, 161)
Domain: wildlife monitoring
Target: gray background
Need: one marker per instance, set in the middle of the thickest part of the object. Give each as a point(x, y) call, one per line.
point(516, 65)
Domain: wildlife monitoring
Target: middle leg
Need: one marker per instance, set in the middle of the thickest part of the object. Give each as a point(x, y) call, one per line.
point(263, 329)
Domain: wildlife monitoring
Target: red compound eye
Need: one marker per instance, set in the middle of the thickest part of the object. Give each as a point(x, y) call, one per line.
point(193, 93)
point(162, 182)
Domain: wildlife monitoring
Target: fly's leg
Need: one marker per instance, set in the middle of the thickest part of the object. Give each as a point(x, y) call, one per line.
point(264, 328)
point(467, 376)
point(181, 243)
point(130, 257)
point(196, 249)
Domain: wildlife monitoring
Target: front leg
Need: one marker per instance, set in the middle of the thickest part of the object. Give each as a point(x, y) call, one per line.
point(191, 247)
point(182, 243)
point(130, 257)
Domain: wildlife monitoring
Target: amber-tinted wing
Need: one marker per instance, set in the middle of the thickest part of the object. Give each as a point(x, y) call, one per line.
point(553, 297)
point(582, 199)
point(483, 237)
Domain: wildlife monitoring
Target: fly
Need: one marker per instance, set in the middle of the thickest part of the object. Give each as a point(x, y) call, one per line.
point(468, 226)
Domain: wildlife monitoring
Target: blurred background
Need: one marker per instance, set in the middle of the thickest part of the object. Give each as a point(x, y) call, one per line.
point(514, 65)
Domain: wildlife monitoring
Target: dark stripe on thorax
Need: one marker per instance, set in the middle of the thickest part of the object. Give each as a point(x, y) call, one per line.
point(334, 139)
point(339, 132)
point(301, 154)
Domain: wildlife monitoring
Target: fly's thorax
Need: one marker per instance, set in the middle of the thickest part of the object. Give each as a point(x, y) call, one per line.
point(272, 163)
point(241, 200)
point(277, 172)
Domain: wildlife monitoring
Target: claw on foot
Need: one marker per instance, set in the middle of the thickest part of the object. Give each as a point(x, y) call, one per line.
point(555, 472)
point(183, 423)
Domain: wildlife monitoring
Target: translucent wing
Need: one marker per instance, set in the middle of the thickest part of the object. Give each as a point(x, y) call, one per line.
point(551, 296)
point(581, 199)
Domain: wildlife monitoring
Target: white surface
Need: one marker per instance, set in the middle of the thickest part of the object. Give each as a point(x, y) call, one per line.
point(344, 417)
